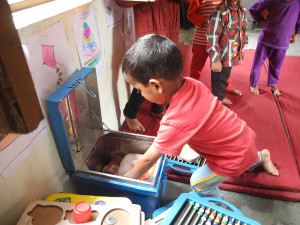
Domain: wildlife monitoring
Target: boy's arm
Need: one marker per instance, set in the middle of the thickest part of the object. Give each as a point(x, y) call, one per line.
point(256, 9)
point(213, 32)
point(144, 163)
point(193, 13)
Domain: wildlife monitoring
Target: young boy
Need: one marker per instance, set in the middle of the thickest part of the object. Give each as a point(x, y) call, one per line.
point(226, 37)
point(153, 65)
point(198, 13)
point(273, 41)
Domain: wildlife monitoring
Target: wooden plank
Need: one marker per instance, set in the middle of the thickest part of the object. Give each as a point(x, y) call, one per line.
point(27, 4)
point(20, 108)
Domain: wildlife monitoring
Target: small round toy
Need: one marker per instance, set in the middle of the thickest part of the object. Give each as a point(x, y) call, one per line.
point(82, 212)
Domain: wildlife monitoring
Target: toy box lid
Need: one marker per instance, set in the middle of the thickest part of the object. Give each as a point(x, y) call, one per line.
point(75, 117)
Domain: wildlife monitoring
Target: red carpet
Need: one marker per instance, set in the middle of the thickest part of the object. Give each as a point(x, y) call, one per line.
point(263, 115)
point(289, 101)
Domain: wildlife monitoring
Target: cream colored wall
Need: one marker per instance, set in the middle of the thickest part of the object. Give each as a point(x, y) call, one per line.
point(41, 173)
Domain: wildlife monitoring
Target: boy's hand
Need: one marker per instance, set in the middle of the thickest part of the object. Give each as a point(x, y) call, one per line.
point(216, 66)
point(144, 163)
point(294, 38)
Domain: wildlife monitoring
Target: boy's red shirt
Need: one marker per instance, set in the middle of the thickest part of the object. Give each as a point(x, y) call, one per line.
point(197, 118)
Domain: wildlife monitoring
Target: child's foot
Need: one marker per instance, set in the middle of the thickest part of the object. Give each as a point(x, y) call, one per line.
point(159, 115)
point(134, 125)
point(275, 90)
point(267, 164)
point(226, 101)
point(254, 90)
point(235, 92)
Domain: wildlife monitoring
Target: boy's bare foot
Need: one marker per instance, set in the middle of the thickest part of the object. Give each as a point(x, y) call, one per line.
point(159, 115)
point(226, 101)
point(267, 164)
point(134, 125)
point(235, 92)
point(275, 90)
point(254, 90)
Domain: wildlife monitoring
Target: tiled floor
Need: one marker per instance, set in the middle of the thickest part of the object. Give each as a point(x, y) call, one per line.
point(186, 36)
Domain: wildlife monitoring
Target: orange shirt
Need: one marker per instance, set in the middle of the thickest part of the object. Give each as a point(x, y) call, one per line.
point(197, 118)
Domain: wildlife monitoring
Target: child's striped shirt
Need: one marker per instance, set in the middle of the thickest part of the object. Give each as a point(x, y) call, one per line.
point(198, 11)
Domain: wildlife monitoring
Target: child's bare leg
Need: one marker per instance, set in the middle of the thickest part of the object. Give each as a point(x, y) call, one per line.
point(267, 164)
point(235, 92)
point(275, 90)
point(134, 125)
point(226, 101)
point(254, 90)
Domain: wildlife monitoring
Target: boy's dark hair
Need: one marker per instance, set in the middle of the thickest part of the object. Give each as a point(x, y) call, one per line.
point(152, 56)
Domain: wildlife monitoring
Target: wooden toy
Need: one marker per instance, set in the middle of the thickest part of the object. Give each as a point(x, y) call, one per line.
point(61, 213)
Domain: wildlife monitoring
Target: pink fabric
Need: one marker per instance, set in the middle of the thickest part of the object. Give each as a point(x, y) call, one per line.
point(196, 117)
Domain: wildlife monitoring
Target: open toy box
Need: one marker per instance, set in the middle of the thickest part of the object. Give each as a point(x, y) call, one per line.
point(91, 151)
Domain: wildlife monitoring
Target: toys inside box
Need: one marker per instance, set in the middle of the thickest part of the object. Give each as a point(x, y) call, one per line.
point(121, 165)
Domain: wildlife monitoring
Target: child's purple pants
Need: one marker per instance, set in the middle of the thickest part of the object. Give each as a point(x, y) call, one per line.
point(275, 56)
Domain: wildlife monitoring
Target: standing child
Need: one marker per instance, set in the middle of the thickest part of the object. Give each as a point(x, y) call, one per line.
point(283, 17)
point(226, 37)
point(153, 65)
point(159, 17)
point(198, 13)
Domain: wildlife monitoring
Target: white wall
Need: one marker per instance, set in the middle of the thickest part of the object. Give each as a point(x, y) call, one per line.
point(41, 173)
point(247, 4)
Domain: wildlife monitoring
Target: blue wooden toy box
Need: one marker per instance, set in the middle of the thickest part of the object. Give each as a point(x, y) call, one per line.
point(86, 147)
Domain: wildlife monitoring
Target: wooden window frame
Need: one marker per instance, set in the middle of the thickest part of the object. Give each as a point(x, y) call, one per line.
point(20, 110)
point(26, 4)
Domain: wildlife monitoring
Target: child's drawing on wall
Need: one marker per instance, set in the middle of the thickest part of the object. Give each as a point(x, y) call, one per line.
point(91, 52)
point(49, 60)
point(87, 39)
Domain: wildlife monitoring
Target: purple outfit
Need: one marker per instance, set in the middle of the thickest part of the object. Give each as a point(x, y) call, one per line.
point(273, 41)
